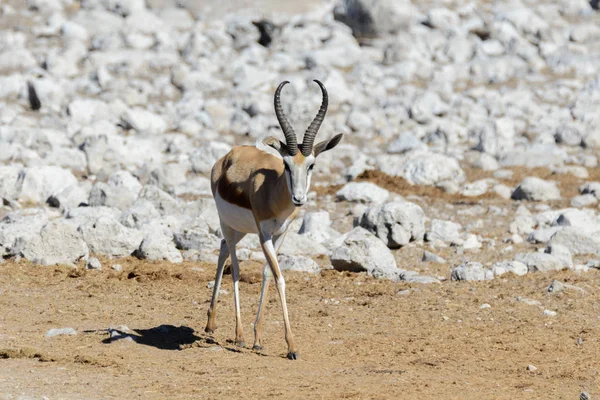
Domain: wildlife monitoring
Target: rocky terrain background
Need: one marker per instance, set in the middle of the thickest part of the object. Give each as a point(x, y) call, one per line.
point(113, 113)
point(470, 149)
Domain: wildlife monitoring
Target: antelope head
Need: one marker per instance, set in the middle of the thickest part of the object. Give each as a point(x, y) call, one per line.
point(299, 161)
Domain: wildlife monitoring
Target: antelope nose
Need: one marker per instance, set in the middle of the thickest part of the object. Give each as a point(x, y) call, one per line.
point(297, 199)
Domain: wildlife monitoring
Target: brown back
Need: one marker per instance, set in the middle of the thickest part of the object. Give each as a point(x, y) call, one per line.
point(253, 179)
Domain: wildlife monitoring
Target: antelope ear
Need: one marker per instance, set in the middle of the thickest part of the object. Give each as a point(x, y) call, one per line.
point(276, 144)
point(327, 144)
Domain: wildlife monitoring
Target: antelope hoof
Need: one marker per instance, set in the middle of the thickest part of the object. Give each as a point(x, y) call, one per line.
point(257, 347)
point(293, 355)
point(240, 343)
point(209, 330)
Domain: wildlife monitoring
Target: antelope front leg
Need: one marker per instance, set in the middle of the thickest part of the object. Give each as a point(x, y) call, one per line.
point(212, 310)
point(235, 273)
point(232, 237)
point(266, 279)
point(267, 246)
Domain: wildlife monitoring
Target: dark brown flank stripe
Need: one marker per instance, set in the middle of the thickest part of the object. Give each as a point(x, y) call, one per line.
point(233, 192)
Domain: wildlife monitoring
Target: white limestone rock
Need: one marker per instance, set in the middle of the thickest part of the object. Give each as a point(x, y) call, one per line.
point(471, 271)
point(317, 225)
point(203, 158)
point(158, 244)
point(120, 191)
point(93, 263)
point(541, 262)
point(364, 252)
point(108, 237)
point(362, 192)
point(444, 231)
point(536, 189)
point(11, 180)
point(405, 142)
point(395, 223)
point(21, 226)
point(515, 267)
point(577, 240)
point(297, 244)
point(369, 18)
point(197, 237)
point(58, 243)
point(425, 168)
point(70, 197)
point(40, 183)
point(161, 200)
point(584, 200)
point(298, 263)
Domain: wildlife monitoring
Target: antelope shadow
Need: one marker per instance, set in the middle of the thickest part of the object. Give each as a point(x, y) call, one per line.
point(164, 337)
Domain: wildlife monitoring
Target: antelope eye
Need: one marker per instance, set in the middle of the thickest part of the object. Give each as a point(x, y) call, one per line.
point(311, 167)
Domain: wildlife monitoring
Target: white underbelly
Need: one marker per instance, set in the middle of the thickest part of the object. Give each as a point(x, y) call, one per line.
point(242, 220)
point(236, 217)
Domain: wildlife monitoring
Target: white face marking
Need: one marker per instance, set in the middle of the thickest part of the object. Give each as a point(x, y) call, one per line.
point(298, 177)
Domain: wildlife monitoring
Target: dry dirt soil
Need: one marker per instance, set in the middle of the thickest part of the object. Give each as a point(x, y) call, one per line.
point(359, 337)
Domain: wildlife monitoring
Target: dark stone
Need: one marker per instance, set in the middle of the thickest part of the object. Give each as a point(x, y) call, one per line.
point(357, 18)
point(34, 100)
point(266, 30)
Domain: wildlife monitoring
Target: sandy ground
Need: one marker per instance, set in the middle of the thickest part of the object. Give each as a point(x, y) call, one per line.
point(358, 337)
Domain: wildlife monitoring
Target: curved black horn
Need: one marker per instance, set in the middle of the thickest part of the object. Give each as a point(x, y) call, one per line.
point(311, 132)
point(286, 127)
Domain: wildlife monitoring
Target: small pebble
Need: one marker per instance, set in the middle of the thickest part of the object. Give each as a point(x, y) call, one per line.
point(93, 263)
point(516, 238)
point(585, 396)
point(531, 368)
point(556, 286)
point(431, 257)
point(61, 331)
point(122, 328)
point(550, 313)
point(117, 334)
point(485, 305)
point(117, 267)
point(529, 302)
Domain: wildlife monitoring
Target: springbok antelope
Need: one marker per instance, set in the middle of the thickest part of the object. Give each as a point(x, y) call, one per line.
point(257, 192)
